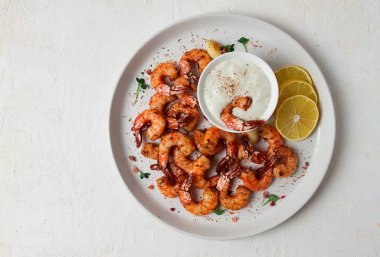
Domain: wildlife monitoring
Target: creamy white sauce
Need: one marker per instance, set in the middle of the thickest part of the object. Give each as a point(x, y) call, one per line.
point(234, 78)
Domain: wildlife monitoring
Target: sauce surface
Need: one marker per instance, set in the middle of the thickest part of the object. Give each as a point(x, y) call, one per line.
point(233, 78)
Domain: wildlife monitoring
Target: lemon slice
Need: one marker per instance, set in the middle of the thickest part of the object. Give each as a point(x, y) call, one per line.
point(297, 87)
point(297, 117)
point(292, 73)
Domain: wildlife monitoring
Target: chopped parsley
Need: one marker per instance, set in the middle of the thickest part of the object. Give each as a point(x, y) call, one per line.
point(140, 86)
point(271, 198)
point(219, 211)
point(244, 41)
point(228, 48)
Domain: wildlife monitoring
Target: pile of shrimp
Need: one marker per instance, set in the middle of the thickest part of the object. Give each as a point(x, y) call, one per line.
point(173, 116)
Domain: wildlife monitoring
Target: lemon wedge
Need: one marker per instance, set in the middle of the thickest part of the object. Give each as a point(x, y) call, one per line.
point(297, 117)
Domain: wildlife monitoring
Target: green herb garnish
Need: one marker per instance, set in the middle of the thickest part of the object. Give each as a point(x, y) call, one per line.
point(143, 175)
point(219, 211)
point(244, 41)
point(140, 86)
point(271, 198)
point(228, 48)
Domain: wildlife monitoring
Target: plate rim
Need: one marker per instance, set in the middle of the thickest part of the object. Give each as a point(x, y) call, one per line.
point(299, 205)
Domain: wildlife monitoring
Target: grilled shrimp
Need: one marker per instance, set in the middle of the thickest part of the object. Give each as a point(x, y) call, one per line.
point(182, 142)
point(150, 150)
point(152, 119)
point(203, 207)
point(163, 77)
point(187, 99)
point(168, 188)
point(159, 101)
point(235, 123)
point(181, 115)
point(198, 166)
point(241, 196)
point(287, 164)
point(206, 149)
point(195, 56)
point(256, 180)
point(272, 136)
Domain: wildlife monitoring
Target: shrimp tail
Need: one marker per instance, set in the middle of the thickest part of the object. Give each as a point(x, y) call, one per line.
point(251, 124)
point(169, 175)
point(167, 90)
point(224, 164)
point(187, 183)
point(138, 137)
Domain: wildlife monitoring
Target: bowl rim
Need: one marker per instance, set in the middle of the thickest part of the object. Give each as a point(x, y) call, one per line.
point(263, 65)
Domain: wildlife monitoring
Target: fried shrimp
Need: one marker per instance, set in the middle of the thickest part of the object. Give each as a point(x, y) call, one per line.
point(183, 116)
point(203, 207)
point(198, 166)
point(187, 99)
point(234, 122)
point(150, 150)
point(163, 77)
point(166, 187)
point(241, 196)
point(287, 162)
point(272, 136)
point(155, 123)
point(159, 101)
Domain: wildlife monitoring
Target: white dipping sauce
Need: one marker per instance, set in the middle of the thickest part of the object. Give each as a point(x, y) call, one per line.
point(233, 78)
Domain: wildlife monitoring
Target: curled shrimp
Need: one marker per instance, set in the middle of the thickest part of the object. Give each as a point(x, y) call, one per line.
point(205, 149)
point(167, 187)
point(195, 56)
point(187, 99)
point(256, 180)
point(196, 167)
point(203, 207)
point(159, 101)
point(155, 123)
point(272, 136)
point(150, 150)
point(287, 164)
point(234, 122)
point(173, 139)
point(183, 116)
point(163, 77)
point(241, 196)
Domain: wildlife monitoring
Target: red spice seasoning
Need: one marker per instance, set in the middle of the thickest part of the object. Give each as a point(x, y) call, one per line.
point(265, 194)
point(283, 196)
point(151, 187)
point(172, 209)
point(135, 169)
point(132, 158)
point(234, 219)
point(250, 206)
point(149, 71)
point(154, 167)
point(272, 203)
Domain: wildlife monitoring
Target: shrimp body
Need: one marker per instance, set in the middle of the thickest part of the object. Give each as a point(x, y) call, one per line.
point(198, 166)
point(256, 181)
point(181, 115)
point(198, 56)
point(150, 150)
point(234, 122)
point(187, 99)
point(192, 72)
point(159, 101)
point(288, 162)
point(169, 72)
point(272, 136)
point(241, 196)
point(182, 142)
point(206, 149)
point(203, 207)
point(168, 188)
point(152, 119)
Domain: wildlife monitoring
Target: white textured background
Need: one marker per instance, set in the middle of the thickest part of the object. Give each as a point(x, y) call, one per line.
point(60, 192)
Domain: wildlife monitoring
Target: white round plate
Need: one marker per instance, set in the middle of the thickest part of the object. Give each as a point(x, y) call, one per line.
point(278, 49)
